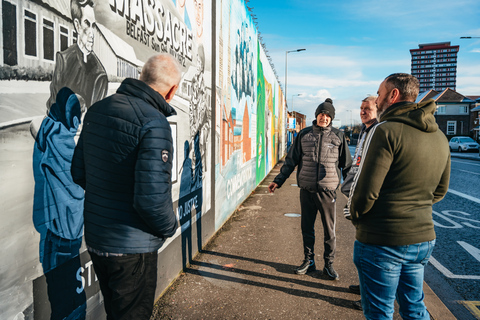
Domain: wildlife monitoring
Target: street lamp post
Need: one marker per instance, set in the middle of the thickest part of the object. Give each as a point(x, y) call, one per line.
point(286, 57)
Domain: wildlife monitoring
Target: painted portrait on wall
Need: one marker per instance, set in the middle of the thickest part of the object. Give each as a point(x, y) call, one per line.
point(59, 57)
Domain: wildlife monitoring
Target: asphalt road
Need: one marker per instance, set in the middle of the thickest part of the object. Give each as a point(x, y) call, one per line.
point(454, 271)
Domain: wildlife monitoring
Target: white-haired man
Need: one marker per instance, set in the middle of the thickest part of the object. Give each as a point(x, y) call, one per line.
point(123, 160)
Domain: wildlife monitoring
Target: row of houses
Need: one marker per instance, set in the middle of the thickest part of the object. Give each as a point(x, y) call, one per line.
point(456, 115)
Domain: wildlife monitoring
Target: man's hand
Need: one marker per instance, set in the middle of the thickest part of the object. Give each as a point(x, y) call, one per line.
point(272, 186)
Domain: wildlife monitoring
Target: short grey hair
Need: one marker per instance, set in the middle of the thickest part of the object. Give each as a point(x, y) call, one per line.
point(162, 71)
point(407, 85)
point(370, 97)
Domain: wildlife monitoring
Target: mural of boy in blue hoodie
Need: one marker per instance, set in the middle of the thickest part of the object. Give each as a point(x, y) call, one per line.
point(58, 206)
point(58, 201)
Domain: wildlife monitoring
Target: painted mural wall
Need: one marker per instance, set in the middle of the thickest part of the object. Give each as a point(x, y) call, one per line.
point(250, 110)
point(57, 58)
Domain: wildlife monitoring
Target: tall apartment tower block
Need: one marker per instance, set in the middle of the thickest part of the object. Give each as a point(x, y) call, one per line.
point(435, 66)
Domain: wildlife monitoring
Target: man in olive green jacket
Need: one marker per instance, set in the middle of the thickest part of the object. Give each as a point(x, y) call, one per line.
point(406, 169)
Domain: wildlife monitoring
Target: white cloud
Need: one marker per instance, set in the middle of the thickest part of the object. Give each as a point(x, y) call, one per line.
point(320, 95)
point(329, 82)
point(468, 85)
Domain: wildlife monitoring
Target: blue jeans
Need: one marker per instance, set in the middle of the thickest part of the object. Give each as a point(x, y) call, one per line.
point(389, 272)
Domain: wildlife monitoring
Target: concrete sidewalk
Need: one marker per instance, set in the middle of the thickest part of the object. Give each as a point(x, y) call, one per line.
point(246, 270)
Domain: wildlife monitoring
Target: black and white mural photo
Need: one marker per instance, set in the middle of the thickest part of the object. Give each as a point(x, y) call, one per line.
point(58, 58)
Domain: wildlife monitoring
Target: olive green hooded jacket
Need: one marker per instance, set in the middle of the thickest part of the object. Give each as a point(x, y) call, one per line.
point(405, 170)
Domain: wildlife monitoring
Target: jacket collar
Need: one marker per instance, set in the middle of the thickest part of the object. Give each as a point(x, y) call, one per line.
point(417, 115)
point(140, 89)
point(317, 129)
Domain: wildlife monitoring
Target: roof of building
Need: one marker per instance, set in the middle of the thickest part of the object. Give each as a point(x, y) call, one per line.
point(62, 7)
point(475, 98)
point(446, 43)
point(447, 95)
point(119, 47)
point(434, 46)
point(430, 94)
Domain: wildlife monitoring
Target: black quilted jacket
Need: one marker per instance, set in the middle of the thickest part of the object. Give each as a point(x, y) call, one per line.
point(123, 160)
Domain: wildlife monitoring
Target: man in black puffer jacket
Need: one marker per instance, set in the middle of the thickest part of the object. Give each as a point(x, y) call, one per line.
point(123, 160)
point(321, 154)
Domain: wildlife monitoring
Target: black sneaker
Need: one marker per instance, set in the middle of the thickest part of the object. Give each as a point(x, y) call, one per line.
point(306, 266)
point(329, 272)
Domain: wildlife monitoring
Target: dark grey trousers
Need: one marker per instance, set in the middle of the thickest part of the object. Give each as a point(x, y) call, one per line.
point(312, 203)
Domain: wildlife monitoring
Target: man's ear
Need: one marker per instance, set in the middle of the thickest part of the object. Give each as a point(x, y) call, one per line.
point(394, 96)
point(171, 93)
point(76, 25)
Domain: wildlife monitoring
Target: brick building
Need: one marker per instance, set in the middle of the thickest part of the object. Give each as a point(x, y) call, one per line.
point(453, 115)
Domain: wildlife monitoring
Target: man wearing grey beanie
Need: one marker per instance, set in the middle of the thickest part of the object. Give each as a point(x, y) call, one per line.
point(321, 154)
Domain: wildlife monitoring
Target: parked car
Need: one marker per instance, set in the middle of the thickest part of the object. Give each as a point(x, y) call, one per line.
point(463, 144)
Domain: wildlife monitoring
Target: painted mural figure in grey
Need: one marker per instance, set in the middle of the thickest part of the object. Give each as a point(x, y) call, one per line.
point(78, 67)
point(191, 197)
point(123, 160)
point(405, 170)
point(242, 73)
point(58, 204)
point(200, 111)
point(321, 154)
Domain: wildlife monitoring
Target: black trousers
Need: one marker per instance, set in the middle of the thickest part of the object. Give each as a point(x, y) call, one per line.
point(128, 284)
point(312, 203)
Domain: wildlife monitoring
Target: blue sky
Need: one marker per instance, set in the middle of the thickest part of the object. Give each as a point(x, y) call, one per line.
point(352, 45)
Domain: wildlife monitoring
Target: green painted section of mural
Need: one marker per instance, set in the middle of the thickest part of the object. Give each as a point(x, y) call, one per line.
point(260, 164)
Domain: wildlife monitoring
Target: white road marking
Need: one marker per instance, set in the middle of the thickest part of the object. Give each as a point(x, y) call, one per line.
point(470, 163)
point(475, 252)
point(463, 195)
point(447, 273)
point(470, 172)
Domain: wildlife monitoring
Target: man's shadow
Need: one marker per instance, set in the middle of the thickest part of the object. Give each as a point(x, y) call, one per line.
point(191, 200)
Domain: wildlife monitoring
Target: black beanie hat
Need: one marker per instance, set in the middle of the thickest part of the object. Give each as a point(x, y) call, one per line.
point(327, 108)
